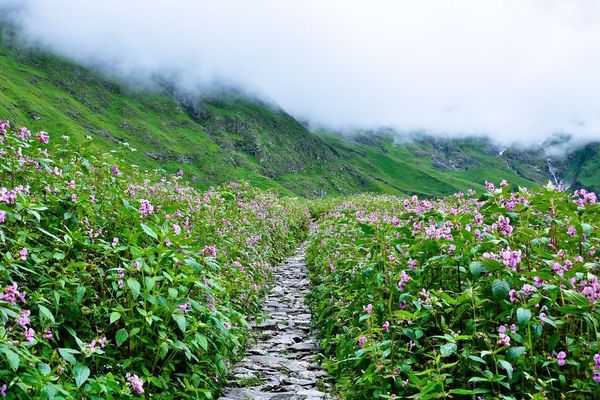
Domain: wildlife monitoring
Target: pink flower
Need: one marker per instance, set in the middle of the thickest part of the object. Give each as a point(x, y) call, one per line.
point(386, 326)
point(176, 229)
point(596, 369)
point(184, 308)
point(23, 319)
point(3, 390)
point(29, 335)
point(560, 358)
point(451, 249)
point(209, 251)
point(136, 383)
point(24, 133)
point(23, 254)
point(504, 338)
point(368, 309)
point(511, 258)
point(571, 231)
point(412, 264)
point(146, 208)
point(2, 216)
point(503, 225)
point(48, 335)
point(180, 172)
point(12, 294)
point(115, 170)
point(43, 137)
point(361, 341)
point(404, 278)
point(115, 242)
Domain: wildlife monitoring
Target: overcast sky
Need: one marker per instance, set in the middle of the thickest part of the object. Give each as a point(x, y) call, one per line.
point(517, 70)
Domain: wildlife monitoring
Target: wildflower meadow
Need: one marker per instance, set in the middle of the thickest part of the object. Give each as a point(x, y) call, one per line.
point(117, 283)
point(484, 296)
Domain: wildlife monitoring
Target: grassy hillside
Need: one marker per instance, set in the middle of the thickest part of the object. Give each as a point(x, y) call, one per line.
point(230, 137)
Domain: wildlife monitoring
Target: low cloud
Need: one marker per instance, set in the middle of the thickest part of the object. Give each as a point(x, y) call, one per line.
point(514, 70)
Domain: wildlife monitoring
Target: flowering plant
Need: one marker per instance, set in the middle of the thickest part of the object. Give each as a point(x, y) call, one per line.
point(491, 295)
point(120, 283)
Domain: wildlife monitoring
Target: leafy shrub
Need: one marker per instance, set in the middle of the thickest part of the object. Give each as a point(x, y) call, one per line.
point(118, 283)
point(477, 297)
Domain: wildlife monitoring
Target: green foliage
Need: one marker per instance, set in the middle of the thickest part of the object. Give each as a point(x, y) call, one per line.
point(116, 281)
point(490, 296)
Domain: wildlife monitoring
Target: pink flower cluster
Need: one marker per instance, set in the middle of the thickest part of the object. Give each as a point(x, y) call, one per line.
point(596, 369)
point(561, 358)
point(404, 278)
point(146, 208)
point(210, 251)
point(12, 294)
point(511, 258)
point(136, 383)
point(582, 197)
point(94, 345)
point(504, 338)
point(503, 226)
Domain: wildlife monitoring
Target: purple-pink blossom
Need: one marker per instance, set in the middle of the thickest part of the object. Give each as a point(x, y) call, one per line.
point(43, 137)
point(136, 383)
point(146, 208)
point(560, 358)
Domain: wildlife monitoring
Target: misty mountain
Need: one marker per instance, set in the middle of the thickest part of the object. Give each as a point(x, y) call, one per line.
point(225, 136)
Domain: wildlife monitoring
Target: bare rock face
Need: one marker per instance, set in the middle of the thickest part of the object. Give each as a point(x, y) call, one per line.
point(281, 365)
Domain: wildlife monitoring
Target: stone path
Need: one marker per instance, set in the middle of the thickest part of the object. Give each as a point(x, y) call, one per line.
point(281, 365)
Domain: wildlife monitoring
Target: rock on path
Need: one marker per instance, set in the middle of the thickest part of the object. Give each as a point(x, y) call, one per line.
point(281, 365)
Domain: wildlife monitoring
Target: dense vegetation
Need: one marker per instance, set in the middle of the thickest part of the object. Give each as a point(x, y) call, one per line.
point(490, 296)
point(228, 137)
point(119, 283)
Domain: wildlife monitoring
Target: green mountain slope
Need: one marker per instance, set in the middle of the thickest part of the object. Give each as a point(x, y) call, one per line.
point(231, 137)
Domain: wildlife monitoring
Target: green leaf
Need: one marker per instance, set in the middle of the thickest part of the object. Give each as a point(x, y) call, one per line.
point(81, 374)
point(44, 368)
point(478, 359)
point(45, 313)
point(523, 316)
point(515, 352)
point(12, 357)
point(476, 267)
point(500, 289)
point(114, 316)
point(67, 355)
point(587, 229)
point(135, 287)
point(506, 366)
point(202, 341)
point(447, 349)
point(149, 231)
point(181, 322)
point(121, 336)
